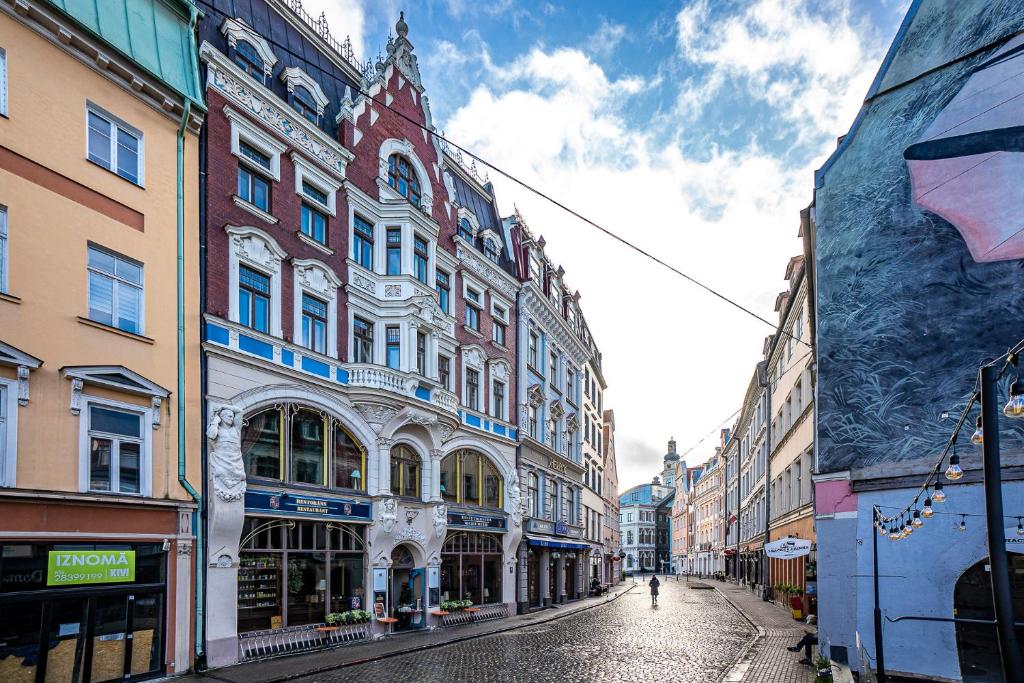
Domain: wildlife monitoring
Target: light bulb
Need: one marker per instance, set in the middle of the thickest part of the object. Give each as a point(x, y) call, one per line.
point(893, 534)
point(1015, 406)
point(953, 472)
point(978, 437)
point(881, 529)
point(918, 522)
point(927, 511)
point(963, 524)
point(907, 529)
point(938, 495)
point(1020, 527)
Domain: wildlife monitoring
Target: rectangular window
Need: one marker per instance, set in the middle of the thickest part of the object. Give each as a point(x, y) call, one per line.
point(393, 339)
point(498, 333)
point(3, 249)
point(531, 357)
point(362, 243)
point(553, 369)
point(314, 324)
point(394, 251)
point(253, 299)
point(314, 193)
point(473, 388)
point(253, 188)
point(255, 156)
point(421, 353)
point(531, 420)
point(473, 302)
point(443, 284)
point(115, 146)
point(314, 223)
point(115, 290)
point(570, 384)
point(419, 258)
point(362, 341)
point(115, 450)
point(444, 371)
point(499, 401)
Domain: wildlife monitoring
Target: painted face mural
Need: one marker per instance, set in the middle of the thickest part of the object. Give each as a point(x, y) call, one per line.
point(968, 165)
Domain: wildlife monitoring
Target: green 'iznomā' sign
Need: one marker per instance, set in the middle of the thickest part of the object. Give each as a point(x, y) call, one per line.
point(77, 567)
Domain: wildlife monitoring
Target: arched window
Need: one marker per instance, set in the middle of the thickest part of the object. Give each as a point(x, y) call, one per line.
point(402, 178)
point(303, 102)
point(532, 494)
point(249, 60)
point(470, 477)
point(303, 445)
point(405, 472)
point(466, 229)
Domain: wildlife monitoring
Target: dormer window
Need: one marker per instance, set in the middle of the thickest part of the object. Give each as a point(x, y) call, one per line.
point(249, 59)
point(466, 230)
point(492, 251)
point(402, 178)
point(303, 102)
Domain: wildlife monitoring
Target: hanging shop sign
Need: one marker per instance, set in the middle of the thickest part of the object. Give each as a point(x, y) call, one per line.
point(303, 505)
point(788, 548)
point(1014, 541)
point(83, 567)
point(465, 520)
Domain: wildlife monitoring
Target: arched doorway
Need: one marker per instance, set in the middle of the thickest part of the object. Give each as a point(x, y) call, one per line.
point(407, 590)
point(977, 644)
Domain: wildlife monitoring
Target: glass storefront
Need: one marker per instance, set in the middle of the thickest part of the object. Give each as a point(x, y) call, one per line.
point(295, 572)
point(471, 567)
point(95, 630)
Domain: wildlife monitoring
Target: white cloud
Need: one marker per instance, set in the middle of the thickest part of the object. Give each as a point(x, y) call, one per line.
point(607, 37)
point(344, 18)
point(812, 63)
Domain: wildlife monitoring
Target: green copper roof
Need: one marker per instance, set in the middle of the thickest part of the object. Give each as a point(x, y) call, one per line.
point(152, 33)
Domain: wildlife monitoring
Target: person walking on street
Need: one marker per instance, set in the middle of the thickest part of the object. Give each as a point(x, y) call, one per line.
point(654, 583)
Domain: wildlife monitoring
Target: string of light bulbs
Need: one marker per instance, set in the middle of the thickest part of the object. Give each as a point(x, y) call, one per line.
point(902, 524)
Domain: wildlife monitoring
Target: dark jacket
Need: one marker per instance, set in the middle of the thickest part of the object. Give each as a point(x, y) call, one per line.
point(654, 583)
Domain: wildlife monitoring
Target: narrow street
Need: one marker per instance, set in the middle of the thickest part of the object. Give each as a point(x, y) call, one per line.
point(692, 636)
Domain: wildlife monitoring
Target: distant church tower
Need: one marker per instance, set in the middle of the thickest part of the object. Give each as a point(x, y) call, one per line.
point(668, 474)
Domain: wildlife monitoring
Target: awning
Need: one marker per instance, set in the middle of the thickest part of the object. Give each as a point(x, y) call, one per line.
point(546, 542)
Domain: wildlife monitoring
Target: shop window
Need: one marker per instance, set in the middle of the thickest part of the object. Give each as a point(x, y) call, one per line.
point(478, 479)
point(292, 443)
point(405, 472)
point(289, 576)
point(471, 567)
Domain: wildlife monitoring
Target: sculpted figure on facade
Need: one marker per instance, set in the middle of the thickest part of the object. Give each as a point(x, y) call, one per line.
point(388, 515)
point(440, 520)
point(227, 475)
point(515, 503)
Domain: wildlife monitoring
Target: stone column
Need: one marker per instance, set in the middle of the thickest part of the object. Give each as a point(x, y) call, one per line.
point(544, 583)
point(383, 467)
point(434, 477)
point(183, 593)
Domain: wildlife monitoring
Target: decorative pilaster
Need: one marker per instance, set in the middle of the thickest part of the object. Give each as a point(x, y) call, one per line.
point(435, 475)
point(23, 385)
point(384, 464)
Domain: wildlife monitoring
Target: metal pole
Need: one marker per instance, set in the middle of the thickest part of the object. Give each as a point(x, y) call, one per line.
point(879, 646)
point(1002, 593)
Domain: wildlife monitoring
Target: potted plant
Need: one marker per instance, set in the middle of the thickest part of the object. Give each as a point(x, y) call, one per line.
point(823, 665)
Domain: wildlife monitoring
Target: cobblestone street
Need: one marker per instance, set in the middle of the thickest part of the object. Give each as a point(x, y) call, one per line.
point(692, 636)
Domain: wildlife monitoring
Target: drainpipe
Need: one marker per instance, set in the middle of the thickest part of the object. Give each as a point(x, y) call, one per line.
point(197, 526)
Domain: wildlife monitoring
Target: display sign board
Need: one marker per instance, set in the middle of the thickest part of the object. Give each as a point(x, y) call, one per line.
point(1014, 541)
point(303, 505)
point(465, 520)
point(788, 548)
point(83, 567)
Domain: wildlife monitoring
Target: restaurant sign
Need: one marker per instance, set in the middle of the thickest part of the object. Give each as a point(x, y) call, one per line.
point(303, 505)
point(465, 520)
point(81, 567)
point(788, 548)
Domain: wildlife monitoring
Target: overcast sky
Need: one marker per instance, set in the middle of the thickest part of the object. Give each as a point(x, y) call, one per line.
point(691, 128)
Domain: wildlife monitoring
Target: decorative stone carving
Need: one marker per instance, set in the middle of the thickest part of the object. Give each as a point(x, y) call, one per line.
point(557, 410)
point(297, 130)
point(400, 53)
point(474, 357)
point(364, 283)
point(294, 76)
point(524, 416)
point(376, 414)
point(157, 402)
point(76, 395)
point(388, 516)
point(383, 445)
point(445, 431)
point(483, 268)
point(23, 372)
point(315, 279)
point(393, 291)
point(501, 370)
point(255, 250)
point(410, 533)
point(227, 480)
point(515, 503)
point(572, 423)
point(185, 548)
point(411, 514)
point(535, 395)
point(440, 520)
point(225, 453)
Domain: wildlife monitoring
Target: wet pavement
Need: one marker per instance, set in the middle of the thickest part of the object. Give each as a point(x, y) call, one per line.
point(692, 636)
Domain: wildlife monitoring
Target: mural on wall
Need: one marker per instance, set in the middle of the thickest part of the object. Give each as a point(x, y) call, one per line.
point(968, 165)
point(919, 220)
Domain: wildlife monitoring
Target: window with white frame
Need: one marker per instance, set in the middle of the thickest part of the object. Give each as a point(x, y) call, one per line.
point(531, 421)
point(116, 448)
point(254, 299)
point(443, 285)
point(420, 258)
point(474, 301)
point(4, 267)
point(114, 145)
point(362, 242)
point(498, 404)
point(253, 186)
point(362, 340)
point(259, 163)
point(315, 306)
point(444, 371)
point(473, 388)
point(532, 491)
point(254, 279)
point(115, 290)
point(499, 323)
point(314, 219)
point(533, 350)
point(393, 346)
point(314, 323)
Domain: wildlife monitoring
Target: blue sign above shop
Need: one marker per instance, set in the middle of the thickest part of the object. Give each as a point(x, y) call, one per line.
point(306, 505)
point(465, 520)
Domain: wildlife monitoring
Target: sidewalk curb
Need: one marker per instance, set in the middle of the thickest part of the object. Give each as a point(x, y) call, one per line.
point(739, 668)
point(212, 674)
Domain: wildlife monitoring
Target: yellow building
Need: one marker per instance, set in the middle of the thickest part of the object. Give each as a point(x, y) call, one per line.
point(99, 120)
